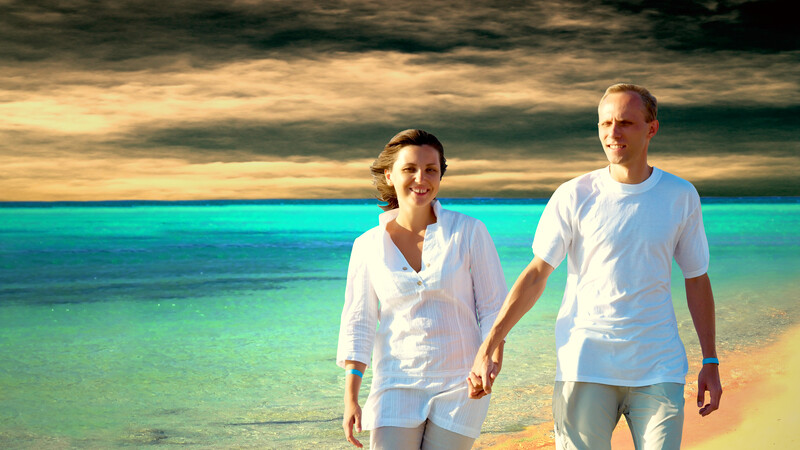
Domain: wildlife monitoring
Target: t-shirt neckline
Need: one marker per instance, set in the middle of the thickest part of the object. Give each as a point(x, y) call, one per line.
point(626, 188)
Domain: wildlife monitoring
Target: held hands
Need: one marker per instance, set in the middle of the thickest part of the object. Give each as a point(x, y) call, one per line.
point(484, 372)
point(352, 417)
point(478, 389)
point(708, 380)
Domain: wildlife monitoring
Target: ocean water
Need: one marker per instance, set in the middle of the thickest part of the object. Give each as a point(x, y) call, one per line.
point(214, 324)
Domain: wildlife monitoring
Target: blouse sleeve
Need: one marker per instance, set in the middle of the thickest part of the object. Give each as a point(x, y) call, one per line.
point(360, 313)
point(488, 282)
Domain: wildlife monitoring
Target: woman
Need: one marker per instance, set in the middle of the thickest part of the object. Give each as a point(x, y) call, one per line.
point(433, 280)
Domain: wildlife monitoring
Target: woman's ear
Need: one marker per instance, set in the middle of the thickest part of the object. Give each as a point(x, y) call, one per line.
point(387, 174)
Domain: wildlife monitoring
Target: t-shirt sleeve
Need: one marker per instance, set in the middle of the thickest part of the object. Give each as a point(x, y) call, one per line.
point(488, 282)
point(360, 312)
point(691, 250)
point(554, 231)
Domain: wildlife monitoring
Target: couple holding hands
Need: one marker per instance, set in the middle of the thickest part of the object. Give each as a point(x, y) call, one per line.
point(426, 303)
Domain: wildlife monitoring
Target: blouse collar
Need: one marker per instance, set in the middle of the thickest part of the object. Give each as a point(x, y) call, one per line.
point(390, 215)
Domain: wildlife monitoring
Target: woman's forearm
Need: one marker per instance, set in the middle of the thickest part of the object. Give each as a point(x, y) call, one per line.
point(352, 382)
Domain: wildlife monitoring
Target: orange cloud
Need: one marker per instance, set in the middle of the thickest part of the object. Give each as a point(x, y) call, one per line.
point(355, 87)
point(68, 178)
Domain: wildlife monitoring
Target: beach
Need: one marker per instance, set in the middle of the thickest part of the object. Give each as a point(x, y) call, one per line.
point(758, 407)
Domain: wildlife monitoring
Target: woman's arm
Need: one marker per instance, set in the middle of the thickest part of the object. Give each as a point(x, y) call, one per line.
point(488, 282)
point(352, 410)
point(356, 335)
point(489, 288)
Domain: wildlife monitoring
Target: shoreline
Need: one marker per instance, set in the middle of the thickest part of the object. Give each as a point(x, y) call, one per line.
point(758, 406)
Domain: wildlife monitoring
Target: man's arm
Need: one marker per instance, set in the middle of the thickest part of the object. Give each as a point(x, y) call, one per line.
point(521, 298)
point(701, 306)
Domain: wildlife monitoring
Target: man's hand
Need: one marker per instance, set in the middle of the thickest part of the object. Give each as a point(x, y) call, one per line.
point(484, 372)
point(708, 380)
point(480, 383)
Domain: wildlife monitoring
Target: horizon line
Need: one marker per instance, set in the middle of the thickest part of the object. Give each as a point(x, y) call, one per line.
point(267, 201)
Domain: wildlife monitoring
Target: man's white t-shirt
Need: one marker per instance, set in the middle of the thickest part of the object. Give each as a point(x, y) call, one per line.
point(616, 324)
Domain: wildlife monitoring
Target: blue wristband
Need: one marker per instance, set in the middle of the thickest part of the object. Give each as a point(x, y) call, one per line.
point(355, 372)
point(710, 361)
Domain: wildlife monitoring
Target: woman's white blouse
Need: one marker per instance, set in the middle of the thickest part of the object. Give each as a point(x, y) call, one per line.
point(421, 330)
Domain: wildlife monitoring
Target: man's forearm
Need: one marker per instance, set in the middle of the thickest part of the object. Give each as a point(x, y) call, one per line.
point(700, 300)
point(701, 306)
point(520, 299)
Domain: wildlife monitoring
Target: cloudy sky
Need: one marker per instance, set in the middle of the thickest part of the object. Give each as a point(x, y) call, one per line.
point(211, 99)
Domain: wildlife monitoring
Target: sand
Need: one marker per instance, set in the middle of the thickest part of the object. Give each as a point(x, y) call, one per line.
point(759, 408)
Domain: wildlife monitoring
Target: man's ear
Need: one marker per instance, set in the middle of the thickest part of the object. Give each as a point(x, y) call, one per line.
point(653, 128)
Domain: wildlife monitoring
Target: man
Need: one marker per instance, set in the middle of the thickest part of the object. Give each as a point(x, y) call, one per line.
point(618, 349)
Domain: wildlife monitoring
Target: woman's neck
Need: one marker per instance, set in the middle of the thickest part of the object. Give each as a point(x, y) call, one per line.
point(415, 219)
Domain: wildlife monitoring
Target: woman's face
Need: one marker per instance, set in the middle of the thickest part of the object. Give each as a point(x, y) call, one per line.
point(415, 175)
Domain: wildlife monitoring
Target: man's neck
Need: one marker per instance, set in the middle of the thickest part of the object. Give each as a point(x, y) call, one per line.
point(630, 175)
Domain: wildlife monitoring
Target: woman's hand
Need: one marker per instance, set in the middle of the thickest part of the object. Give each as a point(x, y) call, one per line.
point(475, 391)
point(484, 372)
point(352, 412)
point(352, 418)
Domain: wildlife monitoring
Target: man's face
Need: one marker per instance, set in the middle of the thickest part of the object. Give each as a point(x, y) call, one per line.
point(622, 129)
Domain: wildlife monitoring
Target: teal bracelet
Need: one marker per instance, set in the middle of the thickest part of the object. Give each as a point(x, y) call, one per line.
point(710, 361)
point(355, 372)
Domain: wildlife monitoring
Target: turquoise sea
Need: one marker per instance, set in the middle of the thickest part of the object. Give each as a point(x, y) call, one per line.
point(214, 324)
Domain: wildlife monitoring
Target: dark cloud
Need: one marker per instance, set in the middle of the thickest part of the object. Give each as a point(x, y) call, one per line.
point(789, 185)
point(759, 26)
point(466, 134)
point(114, 32)
point(490, 133)
point(728, 130)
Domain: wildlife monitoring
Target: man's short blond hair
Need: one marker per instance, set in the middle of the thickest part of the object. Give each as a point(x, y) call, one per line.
point(649, 101)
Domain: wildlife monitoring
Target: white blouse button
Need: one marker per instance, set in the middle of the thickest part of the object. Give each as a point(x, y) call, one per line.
point(419, 283)
point(405, 268)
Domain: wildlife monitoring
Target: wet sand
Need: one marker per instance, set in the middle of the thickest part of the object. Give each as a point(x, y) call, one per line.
point(759, 408)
